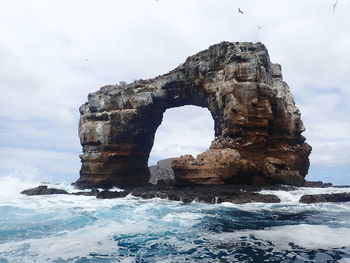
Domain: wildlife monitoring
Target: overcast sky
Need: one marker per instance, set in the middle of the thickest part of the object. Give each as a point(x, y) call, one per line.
point(54, 52)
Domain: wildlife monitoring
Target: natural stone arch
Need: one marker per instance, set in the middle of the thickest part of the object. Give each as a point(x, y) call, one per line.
point(122, 138)
point(256, 122)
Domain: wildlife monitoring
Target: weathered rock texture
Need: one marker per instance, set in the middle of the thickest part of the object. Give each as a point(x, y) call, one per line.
point(257, 125)
point(162, 172)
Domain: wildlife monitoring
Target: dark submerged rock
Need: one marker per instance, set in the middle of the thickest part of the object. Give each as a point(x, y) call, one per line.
point(212, 194)
point(319, 184)
point(242, 198)
point(325, 198)
point(238, 194)
point(93, 192)
point(111, 194)
point(43, 190)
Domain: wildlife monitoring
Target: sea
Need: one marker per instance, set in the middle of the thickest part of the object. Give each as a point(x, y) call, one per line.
point(63, 228)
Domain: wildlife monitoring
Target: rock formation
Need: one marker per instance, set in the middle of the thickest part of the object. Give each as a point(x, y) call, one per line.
point(325, 198)
point(43, 190)
point(257, 125)
point(162, 172)
point(213, 194)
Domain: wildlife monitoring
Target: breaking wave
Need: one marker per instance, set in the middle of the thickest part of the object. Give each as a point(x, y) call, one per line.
point(61, 228)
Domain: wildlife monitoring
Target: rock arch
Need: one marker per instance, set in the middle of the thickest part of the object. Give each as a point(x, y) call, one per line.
point(257, 125)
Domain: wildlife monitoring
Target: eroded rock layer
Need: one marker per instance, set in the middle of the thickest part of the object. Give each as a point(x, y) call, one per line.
point(257, 125)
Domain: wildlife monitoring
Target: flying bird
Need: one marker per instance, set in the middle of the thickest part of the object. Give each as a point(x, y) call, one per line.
point(258, 26)
point(335, 5)
point(240, 11)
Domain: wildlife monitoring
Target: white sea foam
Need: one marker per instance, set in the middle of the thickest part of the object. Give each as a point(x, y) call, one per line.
point(291, 207)
point(128, 215)
point(185, 219)
point(294, 196)
point(96, 238)
point(139, 216)
point(303, 235)
point(12, 185)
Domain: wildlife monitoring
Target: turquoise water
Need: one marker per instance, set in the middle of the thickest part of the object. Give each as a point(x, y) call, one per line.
point(63, 228)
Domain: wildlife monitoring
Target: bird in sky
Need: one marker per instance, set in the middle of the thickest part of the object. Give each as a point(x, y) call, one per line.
point(335, 5)
point(258, 26)
point(240, 11)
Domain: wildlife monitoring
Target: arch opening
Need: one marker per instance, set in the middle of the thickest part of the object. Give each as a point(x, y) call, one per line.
point(183, 130)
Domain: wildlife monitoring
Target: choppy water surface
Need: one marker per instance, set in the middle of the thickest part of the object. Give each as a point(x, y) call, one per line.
point(63, 228)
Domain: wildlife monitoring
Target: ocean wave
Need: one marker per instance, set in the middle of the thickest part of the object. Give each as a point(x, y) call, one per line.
point(67, 228)
point(294, 195)
point(302, 235)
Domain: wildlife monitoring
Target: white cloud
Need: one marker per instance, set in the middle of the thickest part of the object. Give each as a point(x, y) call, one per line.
point(53, 53)
point(48, 165)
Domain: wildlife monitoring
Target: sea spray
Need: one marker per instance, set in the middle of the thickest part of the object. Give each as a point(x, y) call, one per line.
point(65, 228)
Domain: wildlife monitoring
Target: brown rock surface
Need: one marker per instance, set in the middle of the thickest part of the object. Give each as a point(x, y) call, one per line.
point(214, 166)
point(257, 125)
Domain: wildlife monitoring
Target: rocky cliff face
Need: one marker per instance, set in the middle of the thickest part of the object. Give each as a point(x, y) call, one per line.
point(257, 125)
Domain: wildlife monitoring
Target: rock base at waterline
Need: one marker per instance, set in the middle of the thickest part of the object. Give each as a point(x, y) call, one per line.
point(211, 194)
point(325, 198)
